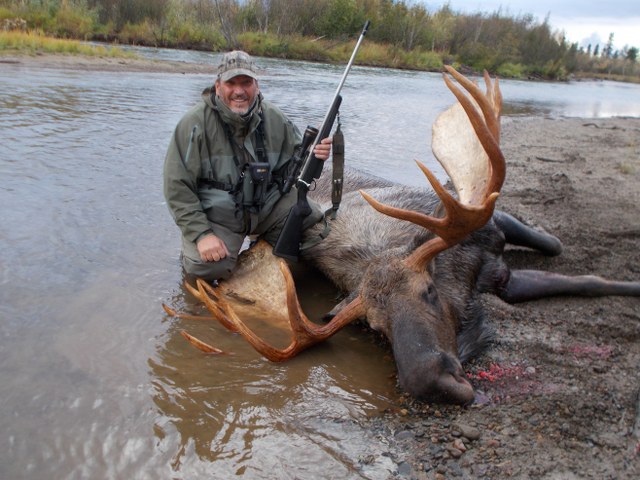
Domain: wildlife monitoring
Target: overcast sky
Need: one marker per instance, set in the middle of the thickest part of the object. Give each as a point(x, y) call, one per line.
point(583, 21)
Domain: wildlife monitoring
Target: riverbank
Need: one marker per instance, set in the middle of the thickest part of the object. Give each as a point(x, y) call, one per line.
point(97, 64)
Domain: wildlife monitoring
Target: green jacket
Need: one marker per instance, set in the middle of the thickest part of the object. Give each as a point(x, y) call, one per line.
point(201, 150)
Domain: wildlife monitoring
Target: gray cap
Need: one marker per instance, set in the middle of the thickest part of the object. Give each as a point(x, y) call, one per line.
point(236, 63)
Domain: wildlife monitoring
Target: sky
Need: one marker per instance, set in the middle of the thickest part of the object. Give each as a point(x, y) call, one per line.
point(583, 21)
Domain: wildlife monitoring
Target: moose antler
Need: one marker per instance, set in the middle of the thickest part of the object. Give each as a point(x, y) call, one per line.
point(463, 136)
point(263, 287)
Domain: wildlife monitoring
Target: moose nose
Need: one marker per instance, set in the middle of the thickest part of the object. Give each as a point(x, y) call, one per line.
point(435, 376)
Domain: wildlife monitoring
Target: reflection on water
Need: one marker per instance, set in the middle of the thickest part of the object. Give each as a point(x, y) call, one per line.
point(246, 415)
point(96, 382)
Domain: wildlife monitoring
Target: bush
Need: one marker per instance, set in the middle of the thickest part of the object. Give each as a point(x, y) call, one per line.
point(73, 24)
point(307, 49)
point(425, 60)
point(6, 13)
point(189, 34)
point(32, 42)
point(476, 56)
point(140, 33)
point(555, 70)
point(373, 54)
point(263, 45)
point(510, 70)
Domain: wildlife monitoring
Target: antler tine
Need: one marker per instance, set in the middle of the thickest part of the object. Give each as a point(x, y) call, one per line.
point(490, 102)
point(193, 291)
point(218, 307)
point(494, 95)
point(434, 224)
point(200, 345)
point(307, 333)
point(173, 313)
point(304, 333)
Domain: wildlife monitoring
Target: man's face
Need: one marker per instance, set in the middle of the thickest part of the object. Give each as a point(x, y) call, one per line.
point(238, 93)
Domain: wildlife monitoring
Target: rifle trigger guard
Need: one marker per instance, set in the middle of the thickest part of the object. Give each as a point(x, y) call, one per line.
point(308, 185)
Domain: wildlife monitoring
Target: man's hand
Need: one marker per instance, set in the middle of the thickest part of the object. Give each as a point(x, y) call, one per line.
point(323, 149)
point(211, 248)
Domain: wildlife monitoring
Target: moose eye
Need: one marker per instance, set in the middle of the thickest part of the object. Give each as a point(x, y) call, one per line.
point(430, 295)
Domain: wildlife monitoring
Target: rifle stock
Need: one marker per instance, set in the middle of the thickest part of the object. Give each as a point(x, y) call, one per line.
point(288, 243)
point(289, 240)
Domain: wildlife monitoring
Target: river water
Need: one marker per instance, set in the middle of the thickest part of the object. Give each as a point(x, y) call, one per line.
point(95, 380)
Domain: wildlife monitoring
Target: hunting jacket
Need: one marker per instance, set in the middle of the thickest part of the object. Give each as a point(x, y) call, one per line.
point(200, 149)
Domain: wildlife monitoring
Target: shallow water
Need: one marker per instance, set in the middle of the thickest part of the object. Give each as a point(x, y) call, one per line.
point(95, 380)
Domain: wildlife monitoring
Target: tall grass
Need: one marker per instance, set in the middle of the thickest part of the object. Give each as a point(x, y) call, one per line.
point(292, 47)
point(33, 42)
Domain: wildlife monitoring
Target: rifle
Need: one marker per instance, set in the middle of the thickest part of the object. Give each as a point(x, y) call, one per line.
point(288, 243)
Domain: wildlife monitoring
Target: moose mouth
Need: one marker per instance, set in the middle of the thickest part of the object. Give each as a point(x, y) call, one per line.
point(439, 378)
point(425, 370)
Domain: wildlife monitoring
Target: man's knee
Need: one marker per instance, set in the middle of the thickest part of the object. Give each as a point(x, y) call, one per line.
point(209, 271)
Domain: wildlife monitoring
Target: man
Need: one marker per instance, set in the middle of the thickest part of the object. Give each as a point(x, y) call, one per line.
point(224, 169)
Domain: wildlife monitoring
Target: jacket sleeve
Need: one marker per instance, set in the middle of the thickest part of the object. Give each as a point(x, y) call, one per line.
point(181, 171)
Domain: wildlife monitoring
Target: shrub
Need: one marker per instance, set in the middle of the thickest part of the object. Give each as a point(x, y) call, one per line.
point(510, 70)
point(73, 24)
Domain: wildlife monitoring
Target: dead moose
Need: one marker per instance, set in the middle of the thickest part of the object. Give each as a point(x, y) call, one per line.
point(415, 272)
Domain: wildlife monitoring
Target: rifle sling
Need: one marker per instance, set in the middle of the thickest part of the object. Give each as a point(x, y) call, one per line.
point(336, 189)
point(338, 170)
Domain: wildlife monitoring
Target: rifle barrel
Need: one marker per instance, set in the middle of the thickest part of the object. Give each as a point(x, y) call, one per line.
point(341, 84)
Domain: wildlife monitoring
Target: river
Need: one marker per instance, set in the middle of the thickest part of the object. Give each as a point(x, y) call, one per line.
point(95, 380)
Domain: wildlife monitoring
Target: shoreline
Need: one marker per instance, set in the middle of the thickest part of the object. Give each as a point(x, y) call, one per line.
point(123, 64)
point(109, 64)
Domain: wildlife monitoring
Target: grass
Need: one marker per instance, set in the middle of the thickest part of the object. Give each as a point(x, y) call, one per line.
point(626, 168)
point(33, 43)
point(631, 78)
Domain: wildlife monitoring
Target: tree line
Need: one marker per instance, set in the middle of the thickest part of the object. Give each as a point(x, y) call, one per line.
point(403, 33)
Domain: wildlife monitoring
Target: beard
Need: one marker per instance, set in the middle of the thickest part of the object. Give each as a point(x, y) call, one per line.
point(247, 106)
point(237, 109)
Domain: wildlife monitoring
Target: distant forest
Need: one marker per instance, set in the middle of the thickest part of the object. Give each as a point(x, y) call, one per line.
point(403, 34)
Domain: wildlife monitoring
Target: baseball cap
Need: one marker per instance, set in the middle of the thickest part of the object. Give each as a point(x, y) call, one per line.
point(236, 63)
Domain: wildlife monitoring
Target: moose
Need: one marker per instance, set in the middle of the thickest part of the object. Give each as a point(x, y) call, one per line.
point(415, 272)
